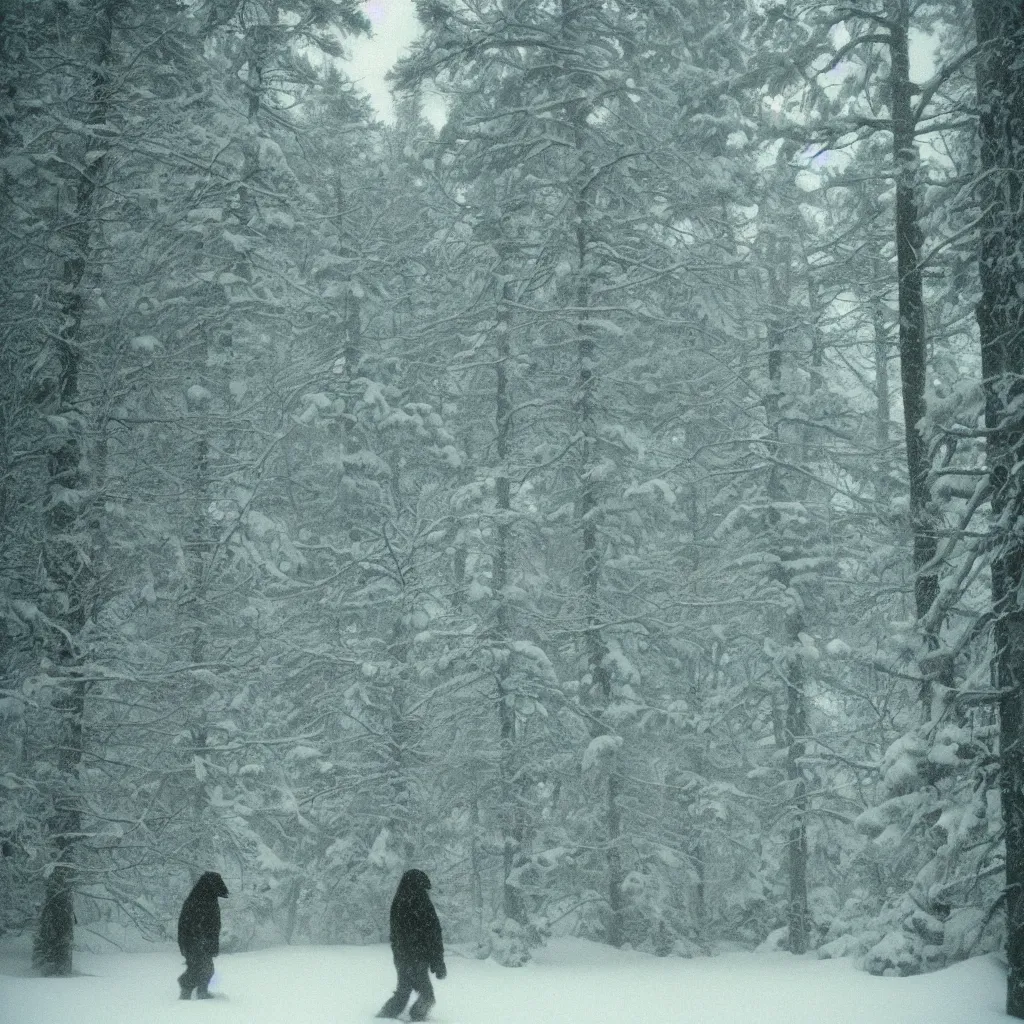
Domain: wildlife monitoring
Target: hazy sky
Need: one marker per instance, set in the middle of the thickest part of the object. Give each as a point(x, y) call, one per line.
point(394, 27)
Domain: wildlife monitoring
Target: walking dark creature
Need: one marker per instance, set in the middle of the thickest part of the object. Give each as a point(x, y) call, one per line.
point(199, 934)
point(416, 945)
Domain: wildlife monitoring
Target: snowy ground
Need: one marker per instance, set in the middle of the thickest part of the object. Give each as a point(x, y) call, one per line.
point(572, 981)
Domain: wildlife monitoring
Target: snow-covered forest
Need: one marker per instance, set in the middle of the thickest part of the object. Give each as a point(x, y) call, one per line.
point(605, 495)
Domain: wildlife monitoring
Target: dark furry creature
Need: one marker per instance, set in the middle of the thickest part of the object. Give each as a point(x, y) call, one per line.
point(199, 934)
point(416, 945)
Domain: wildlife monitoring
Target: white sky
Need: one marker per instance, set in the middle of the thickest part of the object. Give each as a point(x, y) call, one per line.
point(394, 28)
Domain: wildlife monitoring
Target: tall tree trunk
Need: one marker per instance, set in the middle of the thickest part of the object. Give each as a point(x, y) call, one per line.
point(913, 353)
point(199, 547)
point(1000, 83)
point(511, 824)
point(68, 560)
point(583, 182)
point(790, 628)
point(587, 514)
point(798, 914)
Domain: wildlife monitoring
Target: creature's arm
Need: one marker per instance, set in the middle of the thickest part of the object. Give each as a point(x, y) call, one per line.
point(435, 943)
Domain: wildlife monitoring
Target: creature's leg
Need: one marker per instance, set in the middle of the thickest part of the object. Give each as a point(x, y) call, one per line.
point(204, 972)
point(187, 981)
point(421, 982)
point(396, 1004)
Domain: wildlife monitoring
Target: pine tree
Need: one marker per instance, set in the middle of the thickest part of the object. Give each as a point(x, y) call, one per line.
point(1000, 30)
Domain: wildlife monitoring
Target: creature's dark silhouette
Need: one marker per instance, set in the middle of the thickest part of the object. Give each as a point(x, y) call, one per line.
point(416, 945)
point(199, 934)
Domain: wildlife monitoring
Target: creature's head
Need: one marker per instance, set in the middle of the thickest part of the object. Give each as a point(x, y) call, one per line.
point(211, 884)
point(414, 880)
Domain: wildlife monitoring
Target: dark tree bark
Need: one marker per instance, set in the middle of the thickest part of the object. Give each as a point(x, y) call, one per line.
point(913, 353)
point(69, 563)
point(1000, 83)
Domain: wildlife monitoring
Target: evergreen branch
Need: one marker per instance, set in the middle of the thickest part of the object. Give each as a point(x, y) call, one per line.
point(943, 75)
point(847, 13)
point(847, 48)
point(394, 557)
